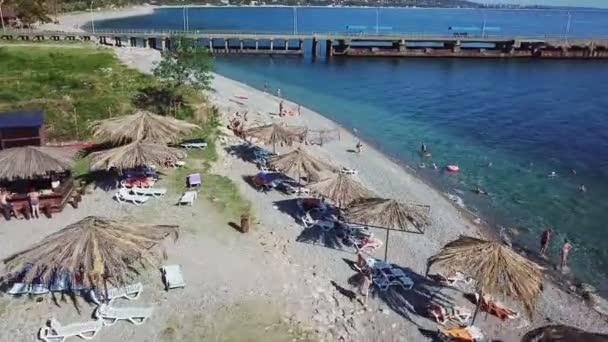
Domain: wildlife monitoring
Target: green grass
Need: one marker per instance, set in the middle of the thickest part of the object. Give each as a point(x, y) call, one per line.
point(72, 85)
point(80, 167)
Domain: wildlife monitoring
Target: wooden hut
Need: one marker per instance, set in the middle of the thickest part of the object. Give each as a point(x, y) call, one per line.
point(21, 129)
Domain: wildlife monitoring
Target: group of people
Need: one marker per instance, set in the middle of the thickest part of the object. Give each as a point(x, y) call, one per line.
point(7, 207)
point(545, 238)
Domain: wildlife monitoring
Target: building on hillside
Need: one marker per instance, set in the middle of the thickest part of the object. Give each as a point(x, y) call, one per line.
point(21, 129)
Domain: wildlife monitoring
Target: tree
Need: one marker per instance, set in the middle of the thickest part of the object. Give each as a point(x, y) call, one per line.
point(29, 11)
point(185, 62)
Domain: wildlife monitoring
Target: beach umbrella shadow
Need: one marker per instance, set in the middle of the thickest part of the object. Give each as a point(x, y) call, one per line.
point(246, 152)
point(414, 302)
point(317, 235)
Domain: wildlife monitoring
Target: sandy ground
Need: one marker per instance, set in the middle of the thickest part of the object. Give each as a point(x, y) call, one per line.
point(265, 285)
point(73, 22)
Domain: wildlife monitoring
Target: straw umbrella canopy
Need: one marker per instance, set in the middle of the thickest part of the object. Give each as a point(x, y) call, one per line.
point(95, 248)
point(33, 161)
point(562, 333)
point(299, 162)
point(341, 189)
point(139, 126)
point(390, 214)
point(135, 154)
point(497, 268)
point(275, 133)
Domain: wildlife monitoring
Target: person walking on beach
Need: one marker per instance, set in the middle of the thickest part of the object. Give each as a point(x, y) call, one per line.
point(566, 247)
point(545, 237)
point(299, 110)
point(281, 108)
point(359, 146)
point(278, 92)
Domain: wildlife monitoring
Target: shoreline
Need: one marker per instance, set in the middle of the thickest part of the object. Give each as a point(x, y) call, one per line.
point(401, 180)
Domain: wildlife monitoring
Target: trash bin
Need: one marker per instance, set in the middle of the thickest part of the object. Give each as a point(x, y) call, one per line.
point(244, 223)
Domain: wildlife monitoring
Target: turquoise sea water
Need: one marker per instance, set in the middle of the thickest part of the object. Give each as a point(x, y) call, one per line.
point(527, 118)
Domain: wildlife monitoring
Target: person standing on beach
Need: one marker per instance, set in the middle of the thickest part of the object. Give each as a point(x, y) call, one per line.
point(359, 146)
point(278, 92)
point(266, 87)
point(299, 110)
point(281, 108)
point(545, 237)
point(566, 247)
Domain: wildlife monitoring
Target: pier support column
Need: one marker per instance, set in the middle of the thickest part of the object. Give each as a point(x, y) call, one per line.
point(117, 41)
point(315, 47)
point(226, 45)
point(329, 48)
point(241, 45)
point(133, 41)
point(301, 45)
point(271, 45)
point(257, 45)
point(145, 42)
point(402, 46)
point(163, 44)
point(286, 44)
point(211, 45)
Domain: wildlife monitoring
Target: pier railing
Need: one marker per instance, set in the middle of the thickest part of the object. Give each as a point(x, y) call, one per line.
point(309, 35)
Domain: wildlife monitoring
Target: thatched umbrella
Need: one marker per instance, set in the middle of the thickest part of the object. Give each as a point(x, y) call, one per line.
point(562, 333)
point(275, 133)
point(390, 215)
point(95, 248)
point(341, 189)
point(139, 126)
point(298, 162)
point(33, 161)
point(135, 154)
point(497, 268)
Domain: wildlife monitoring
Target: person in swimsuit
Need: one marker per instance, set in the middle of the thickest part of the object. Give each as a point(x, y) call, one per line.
point(545, 237)
point(359, 146)
point(566, 247)
point(34, 197)
point(6, 207)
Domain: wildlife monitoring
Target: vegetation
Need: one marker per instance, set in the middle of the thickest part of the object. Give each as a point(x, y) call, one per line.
point(75, 85)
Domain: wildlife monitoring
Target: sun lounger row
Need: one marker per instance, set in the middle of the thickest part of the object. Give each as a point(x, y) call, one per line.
point(137, 195)
point(108, 315)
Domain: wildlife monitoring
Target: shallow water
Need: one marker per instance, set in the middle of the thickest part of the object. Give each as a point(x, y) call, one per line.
point(527, 118)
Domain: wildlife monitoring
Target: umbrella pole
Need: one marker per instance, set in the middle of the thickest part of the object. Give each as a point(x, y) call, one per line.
point(386, 246)
point(105, 288)
point(477, 307)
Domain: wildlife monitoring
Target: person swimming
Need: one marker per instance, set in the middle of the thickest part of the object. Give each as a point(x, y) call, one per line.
point(423, 148)
point(582, 188)
point(552, 174)
point(480, 191)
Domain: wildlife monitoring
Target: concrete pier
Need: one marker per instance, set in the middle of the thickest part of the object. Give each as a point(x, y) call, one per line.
point(347, 45)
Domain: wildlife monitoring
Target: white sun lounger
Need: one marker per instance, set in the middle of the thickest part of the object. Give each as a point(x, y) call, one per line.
point(154, 192)
point(58, 333)
point(19, 289)
point(110, 315)
point(123, 195)
point(348, 171)
point(130, 292)
point(201, 145)
point(22, 288)
point(188, 198)
point(172, 276)
point(307, 220)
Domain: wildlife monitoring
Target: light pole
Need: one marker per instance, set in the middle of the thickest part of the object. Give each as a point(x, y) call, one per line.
point(2, 16)
point(295, 20)
point(377, 19)
point(92, 18)
point(568, 26)
point(483, 26)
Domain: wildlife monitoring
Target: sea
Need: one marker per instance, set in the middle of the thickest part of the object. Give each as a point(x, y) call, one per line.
point(506, 123)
